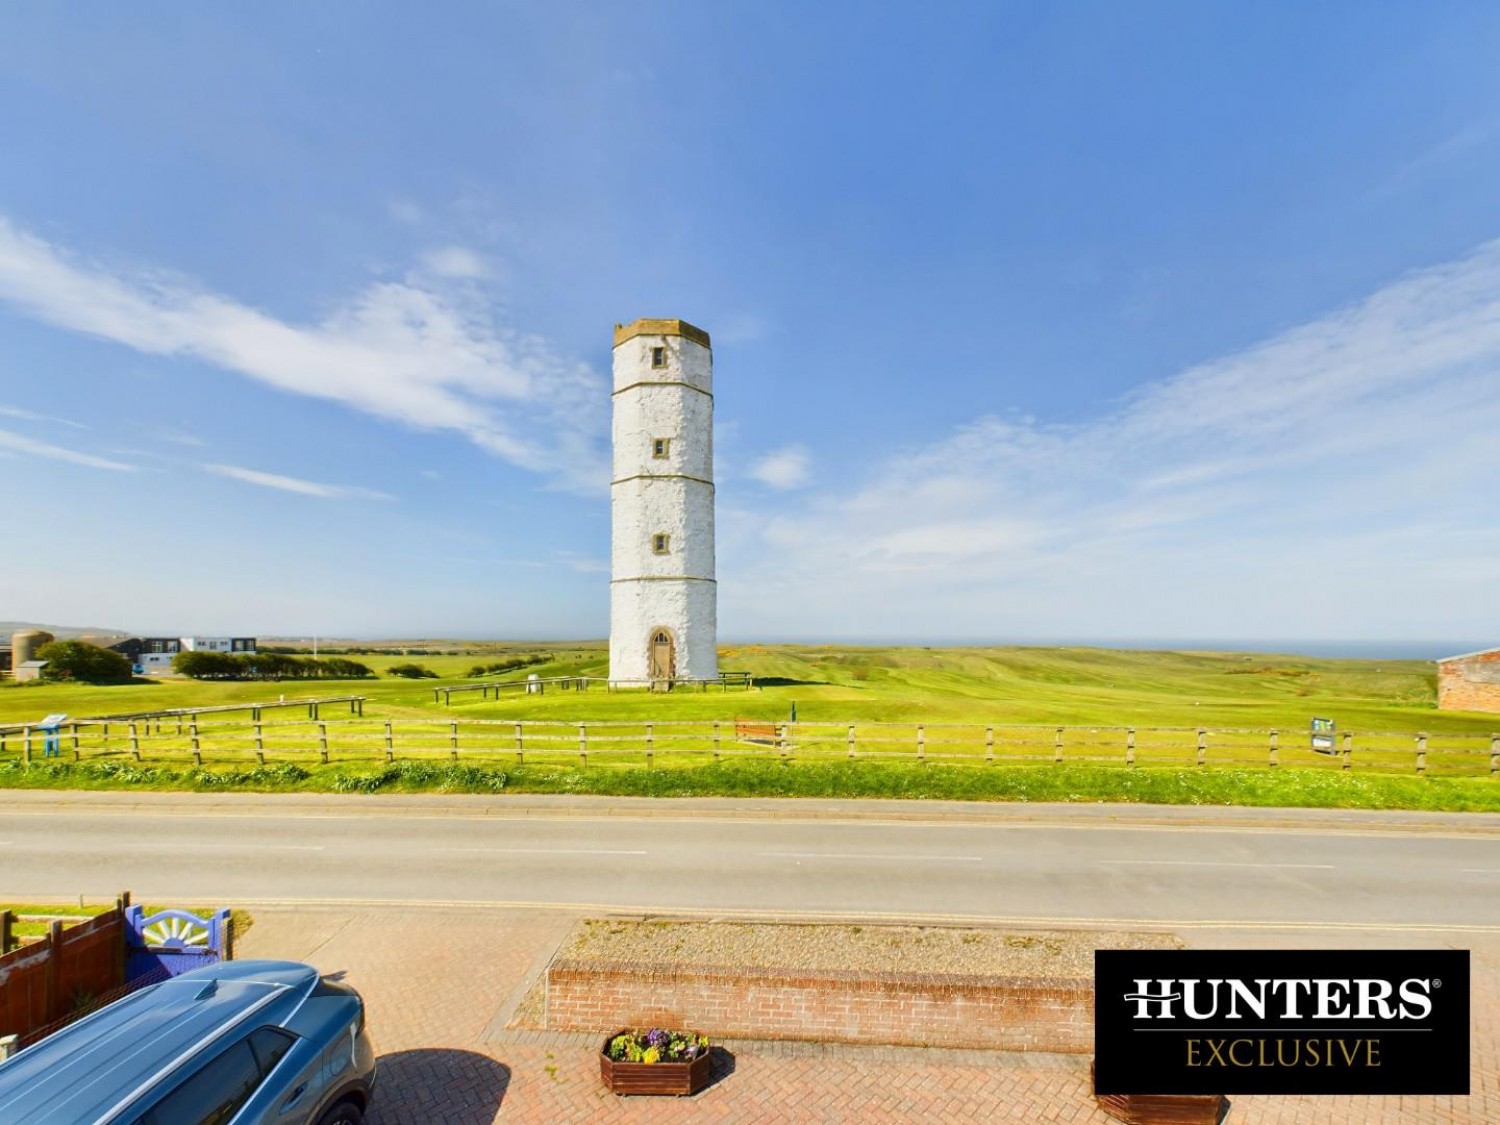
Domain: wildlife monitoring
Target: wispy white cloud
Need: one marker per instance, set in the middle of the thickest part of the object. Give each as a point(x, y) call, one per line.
point(456, 262)
point(297, 485)
point(423, 352)
point(1449, 151)
point(1338, 479)
point(179, 437)
point(33, 416)
point(19, 444)
point(784, 469)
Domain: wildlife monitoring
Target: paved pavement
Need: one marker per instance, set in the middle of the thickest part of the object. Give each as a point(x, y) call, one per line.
point(440, 984)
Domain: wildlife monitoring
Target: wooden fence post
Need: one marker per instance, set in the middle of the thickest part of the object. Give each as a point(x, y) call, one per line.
point(1495, 755)
point(122, 951)
point(74, 732)
point(1348, 749)
point(921, 743)
point(260, 742)
point(1057, 746)
point(52, 1001)
point(1274, 757)
point(1422, 754)
point(453, 738)
point(26, 746)
point(520, 743)
point(1130, 746)
point(583, 744)
point(193, 734)
point(781, 741)
point(135, 742)
point(323, 742)
point(849, 742)
point(390, 743)
point(650, 745)
point(1202, 746)
point(716, 741)
point(7, 929)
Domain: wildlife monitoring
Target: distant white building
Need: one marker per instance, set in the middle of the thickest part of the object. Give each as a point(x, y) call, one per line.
point(664, 609)
point(218, 644)
point(153, 655)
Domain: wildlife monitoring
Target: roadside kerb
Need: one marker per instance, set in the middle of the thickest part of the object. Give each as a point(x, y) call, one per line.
point(549, 806)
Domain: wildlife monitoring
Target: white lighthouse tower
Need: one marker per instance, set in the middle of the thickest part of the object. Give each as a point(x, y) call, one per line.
point(663, 606)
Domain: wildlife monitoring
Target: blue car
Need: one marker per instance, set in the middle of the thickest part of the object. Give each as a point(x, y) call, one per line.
point(238, 1043)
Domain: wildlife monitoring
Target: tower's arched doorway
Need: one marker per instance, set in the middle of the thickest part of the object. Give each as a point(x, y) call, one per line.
point(662, 654)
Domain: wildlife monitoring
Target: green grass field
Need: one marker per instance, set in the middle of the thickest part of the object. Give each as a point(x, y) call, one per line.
point(957, 693)
point(1042, 686)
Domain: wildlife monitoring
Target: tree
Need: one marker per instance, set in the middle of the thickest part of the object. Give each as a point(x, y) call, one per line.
point(341, 668)
point(206, 665)
point(79, 660)
point(411, 671)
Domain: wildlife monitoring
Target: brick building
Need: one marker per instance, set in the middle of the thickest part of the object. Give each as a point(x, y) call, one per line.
point(1470, 682)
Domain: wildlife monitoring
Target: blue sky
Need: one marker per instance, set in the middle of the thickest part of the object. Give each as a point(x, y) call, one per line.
point(1030, 321)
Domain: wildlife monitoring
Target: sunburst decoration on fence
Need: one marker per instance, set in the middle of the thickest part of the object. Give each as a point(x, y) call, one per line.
point(175, 929)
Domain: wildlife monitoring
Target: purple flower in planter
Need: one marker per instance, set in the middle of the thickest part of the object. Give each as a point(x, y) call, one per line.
point(657, 1038)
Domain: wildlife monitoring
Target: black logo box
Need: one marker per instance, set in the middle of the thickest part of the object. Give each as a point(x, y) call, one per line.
point(1417, 1043)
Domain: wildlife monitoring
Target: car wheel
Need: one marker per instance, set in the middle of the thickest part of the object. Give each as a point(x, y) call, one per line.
point(345, 1113)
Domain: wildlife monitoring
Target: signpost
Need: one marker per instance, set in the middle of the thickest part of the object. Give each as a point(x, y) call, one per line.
point(48, 726)
point(1323, 735)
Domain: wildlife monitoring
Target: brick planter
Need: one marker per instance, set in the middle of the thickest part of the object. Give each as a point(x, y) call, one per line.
point(681, 1079)
point(913, 1009)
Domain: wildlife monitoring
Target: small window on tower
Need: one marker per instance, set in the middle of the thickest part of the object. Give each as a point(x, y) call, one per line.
point(658, 357)
point(661, 448)
point(660, 543)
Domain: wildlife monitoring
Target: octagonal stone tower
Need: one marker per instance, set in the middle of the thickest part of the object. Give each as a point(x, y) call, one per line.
point(664, 609)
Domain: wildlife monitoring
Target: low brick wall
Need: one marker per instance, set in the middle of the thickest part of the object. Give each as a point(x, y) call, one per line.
point(909, 1009)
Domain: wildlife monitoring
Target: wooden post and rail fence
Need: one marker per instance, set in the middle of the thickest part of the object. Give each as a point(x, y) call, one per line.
point(318, 741)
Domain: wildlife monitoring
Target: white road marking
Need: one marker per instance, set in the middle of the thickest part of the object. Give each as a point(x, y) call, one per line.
point(197, 846)
point(1481, 870)
point(868, 855)
point(545, 851)
point(1218, 863)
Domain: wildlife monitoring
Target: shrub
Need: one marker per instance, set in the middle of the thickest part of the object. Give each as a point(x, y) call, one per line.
point(411, 672)
point(265, 666)
point(81, 661)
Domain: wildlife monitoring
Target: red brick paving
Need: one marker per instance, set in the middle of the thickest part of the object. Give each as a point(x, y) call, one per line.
point(435, 982)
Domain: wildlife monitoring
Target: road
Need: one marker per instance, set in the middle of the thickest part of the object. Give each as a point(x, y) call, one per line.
point(1169, 866)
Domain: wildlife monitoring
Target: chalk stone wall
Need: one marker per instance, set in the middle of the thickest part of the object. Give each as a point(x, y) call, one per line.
point(909, 1009)
point(1470, 684)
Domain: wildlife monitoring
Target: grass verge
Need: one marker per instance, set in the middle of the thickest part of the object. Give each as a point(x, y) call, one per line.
point(1262, 788)
point(241, 920)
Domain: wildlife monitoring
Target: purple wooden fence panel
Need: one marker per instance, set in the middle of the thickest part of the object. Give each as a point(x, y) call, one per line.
point(173, 942)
